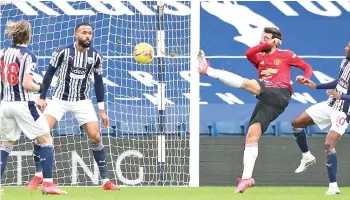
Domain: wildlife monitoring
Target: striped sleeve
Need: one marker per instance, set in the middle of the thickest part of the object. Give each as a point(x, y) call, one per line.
point(57, 57)
point(30, 63)
point(98, 64)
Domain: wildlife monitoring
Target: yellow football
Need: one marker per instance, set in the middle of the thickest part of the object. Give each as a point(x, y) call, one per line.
point(143, 53)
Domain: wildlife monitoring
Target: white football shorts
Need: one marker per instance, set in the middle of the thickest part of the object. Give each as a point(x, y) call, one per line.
point(19, 116)
point(82, 110)
point(324, 115)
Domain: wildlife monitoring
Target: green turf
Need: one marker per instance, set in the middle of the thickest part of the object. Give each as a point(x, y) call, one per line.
point(168, 193)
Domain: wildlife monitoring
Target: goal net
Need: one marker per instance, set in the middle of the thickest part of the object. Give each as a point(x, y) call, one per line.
point(148, 142)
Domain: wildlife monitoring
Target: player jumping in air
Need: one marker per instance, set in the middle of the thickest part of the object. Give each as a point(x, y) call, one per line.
point(272, 89)
point(334, 112)
point(75, 64)
point(18, 111)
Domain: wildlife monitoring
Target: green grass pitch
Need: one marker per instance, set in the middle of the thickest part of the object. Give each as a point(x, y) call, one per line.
point(179, 193)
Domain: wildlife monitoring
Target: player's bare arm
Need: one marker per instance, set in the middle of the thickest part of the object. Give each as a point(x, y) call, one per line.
point(29, 85)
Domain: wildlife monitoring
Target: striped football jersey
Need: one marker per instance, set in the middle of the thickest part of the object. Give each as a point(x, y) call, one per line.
point(16, 61)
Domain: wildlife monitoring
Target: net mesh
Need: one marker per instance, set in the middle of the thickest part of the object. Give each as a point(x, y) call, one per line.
point(133, 142)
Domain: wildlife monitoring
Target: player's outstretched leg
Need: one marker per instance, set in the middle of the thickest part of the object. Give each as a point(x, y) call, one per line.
point(46, 158)
point(332, 161)
point(228, 78)
point(92, 129)
point(38, 177)
point(298, 124)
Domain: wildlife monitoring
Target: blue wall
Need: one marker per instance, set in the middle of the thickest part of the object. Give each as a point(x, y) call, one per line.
point(312, 30)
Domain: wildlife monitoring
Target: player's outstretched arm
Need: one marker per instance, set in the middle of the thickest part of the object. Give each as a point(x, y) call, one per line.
point(329, 85)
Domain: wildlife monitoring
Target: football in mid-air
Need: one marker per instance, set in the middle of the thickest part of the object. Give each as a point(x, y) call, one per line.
point(143, 53)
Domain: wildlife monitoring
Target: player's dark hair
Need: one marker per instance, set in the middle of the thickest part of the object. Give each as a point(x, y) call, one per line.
point(82, 24)
point(274, 31)
point(18, 31)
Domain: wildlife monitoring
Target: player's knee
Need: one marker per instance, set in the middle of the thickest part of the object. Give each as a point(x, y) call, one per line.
point(252, 137)
point(251, 86)
point(45, 139)
point(296, 123)
point(329, 144)
point(95, 137)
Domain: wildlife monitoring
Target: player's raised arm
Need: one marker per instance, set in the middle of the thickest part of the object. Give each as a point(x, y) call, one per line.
point(99, 90)
point(55, 61)
point(252, 54)
point(301, 64)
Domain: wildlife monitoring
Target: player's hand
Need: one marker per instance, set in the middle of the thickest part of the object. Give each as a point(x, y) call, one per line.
point(274, 42)
point(300, 79)
point(104, 118)
point(333, 93)
point(308, 82)
point(41, 103)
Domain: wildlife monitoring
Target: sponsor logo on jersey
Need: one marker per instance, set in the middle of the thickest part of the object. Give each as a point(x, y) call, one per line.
point(269, 71)
point(78, 73)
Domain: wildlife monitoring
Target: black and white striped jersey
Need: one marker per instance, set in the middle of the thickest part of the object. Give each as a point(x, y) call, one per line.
point(74, 71)
point(16, 61)
point(342, 88)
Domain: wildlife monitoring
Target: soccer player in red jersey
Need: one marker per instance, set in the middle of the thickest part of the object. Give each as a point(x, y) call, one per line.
point(273, 90)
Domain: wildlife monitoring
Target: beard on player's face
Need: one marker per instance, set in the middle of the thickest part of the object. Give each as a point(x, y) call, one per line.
point(268, 50)
point(84, 43)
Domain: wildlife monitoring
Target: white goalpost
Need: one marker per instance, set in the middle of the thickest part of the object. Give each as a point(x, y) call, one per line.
point(153, 109)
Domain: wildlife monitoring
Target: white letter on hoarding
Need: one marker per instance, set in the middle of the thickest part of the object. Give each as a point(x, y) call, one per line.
point(186, 75)
point(69, 10)
point(323, 78)
point(28, 10)
point(118, 163)
point(144, 77)
point(229, 98)
point(119, 7)
point(329, 9)
point(77, 159)
point(142, 8)
point(188, 96)
point(303, 98)
point(154, 99)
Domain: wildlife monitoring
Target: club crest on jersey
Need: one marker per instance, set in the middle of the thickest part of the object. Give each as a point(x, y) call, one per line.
point(269, 71)
point(277, 62)
point(90, 60)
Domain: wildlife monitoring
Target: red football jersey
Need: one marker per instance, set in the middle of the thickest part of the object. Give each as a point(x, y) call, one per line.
point(275, 67)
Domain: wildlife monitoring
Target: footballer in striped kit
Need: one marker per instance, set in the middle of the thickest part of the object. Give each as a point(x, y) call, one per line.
point(18, 111)
point(333, 112)
point(75, 64)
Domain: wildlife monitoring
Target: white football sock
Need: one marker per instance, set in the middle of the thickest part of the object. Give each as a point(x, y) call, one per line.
point(48, 180)
point(104, 181)
point(39, 174)
point(306, 154)
point(250, 155)
point(230, 79)
point(333, 185)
